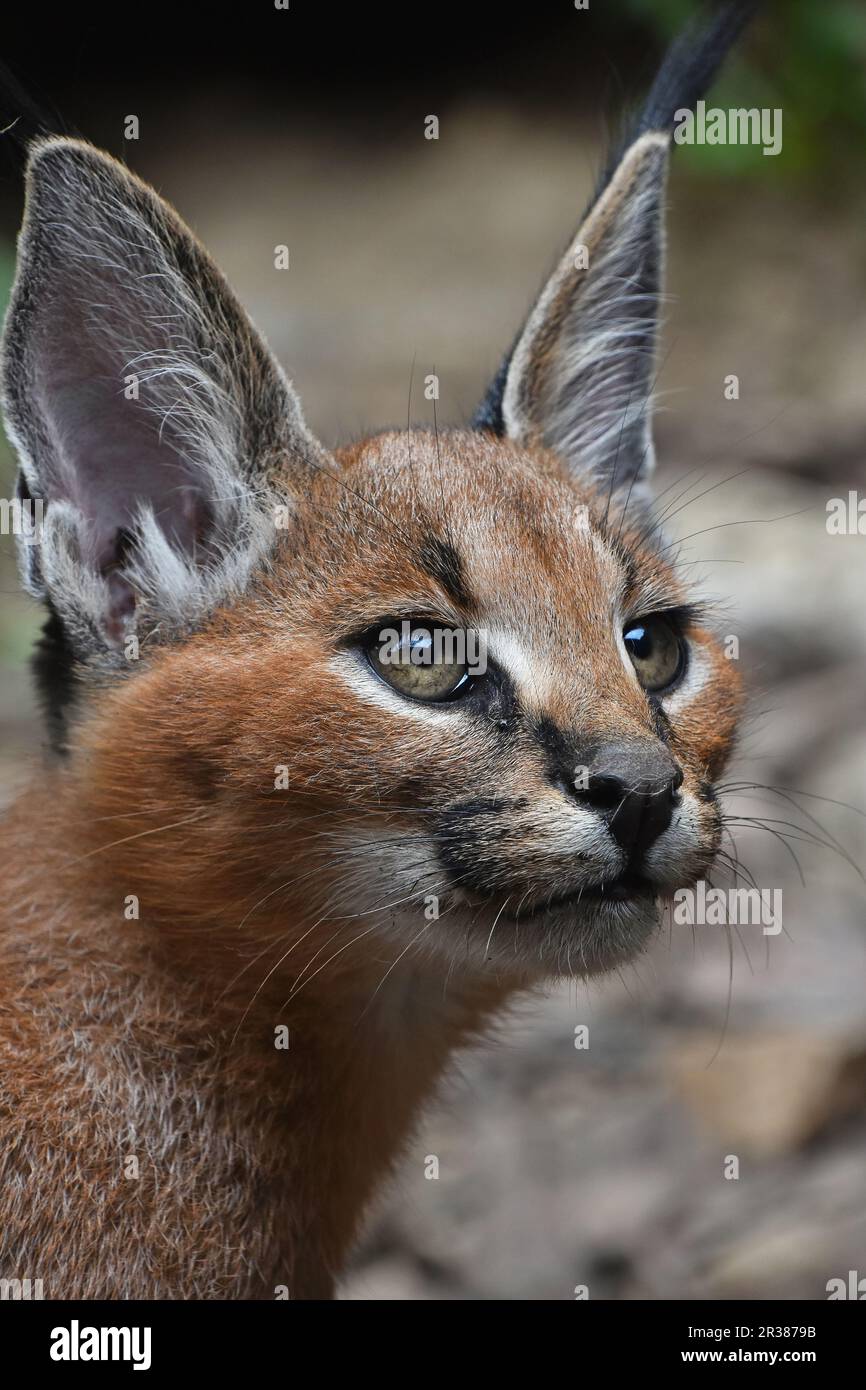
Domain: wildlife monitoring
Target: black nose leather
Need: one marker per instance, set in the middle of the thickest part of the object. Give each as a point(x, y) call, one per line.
point(634, 788)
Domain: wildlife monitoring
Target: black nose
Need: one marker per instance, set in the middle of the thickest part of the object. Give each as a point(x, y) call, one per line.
point(634, 788)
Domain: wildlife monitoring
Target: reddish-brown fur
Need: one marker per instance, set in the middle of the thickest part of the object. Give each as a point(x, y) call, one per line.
point(155, 1037)
point(250, 833)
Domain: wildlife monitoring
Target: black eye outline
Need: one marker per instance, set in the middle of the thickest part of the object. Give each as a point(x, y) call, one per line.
point(372, 638)
point(674, 620)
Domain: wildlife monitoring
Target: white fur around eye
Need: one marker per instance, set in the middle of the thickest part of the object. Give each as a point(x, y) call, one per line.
point(531, 673)
point(696, 677)
point(373, 691)
point(623, 650)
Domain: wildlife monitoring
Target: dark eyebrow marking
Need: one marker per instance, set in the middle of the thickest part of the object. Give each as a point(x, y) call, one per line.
point(627, 562)
point(441, 561)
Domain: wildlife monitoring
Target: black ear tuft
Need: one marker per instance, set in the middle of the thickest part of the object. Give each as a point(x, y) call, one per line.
point(686, 73)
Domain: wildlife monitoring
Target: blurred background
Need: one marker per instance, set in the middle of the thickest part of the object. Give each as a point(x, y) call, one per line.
point(606, 1166)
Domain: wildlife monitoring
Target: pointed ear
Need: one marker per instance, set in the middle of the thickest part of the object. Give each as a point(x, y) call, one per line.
point(148, 414)
point(581, 375)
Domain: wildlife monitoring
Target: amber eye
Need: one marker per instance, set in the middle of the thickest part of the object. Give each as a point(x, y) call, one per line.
point(657, 652)
point(420, 661)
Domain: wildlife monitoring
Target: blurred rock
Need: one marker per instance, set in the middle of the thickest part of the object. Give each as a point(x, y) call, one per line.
point(766, 1094)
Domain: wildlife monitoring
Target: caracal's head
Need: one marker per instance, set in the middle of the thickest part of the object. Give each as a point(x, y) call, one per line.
point(445, 691)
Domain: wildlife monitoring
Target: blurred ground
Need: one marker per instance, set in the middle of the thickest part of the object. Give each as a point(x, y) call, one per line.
point(605, 1167)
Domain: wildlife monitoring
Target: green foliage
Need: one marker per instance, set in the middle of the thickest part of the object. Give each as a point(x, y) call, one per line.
point(806, 57)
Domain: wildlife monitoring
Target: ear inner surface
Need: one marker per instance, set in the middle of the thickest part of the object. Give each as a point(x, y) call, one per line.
point(148, 413)
point(580, 377)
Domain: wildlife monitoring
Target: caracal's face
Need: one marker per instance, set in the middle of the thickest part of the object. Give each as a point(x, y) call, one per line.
point(513, 717)
point(522, 794)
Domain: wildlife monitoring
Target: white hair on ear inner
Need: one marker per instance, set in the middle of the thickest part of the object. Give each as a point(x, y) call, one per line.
point(172, 585)
point(82, 596)
point(142, 401)
point(580, 377)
